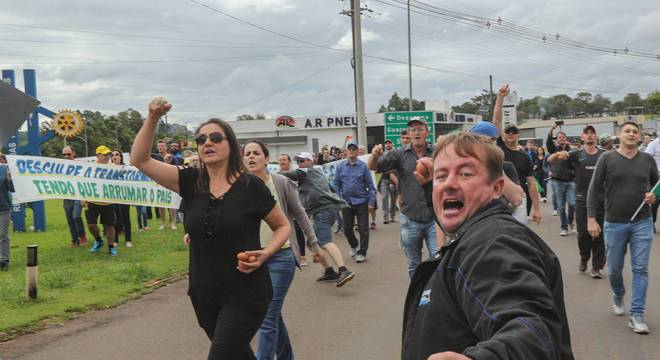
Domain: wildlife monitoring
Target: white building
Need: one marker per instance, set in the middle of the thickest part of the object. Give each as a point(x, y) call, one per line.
point(293, 135)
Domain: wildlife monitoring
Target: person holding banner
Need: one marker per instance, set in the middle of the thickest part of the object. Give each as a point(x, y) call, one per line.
point(122, 211)
point(103, 210)
point(224, 207)
point(624, 177)
point(73, 209)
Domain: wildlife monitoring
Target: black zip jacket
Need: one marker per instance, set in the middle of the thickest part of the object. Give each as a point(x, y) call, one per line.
point(494, 292)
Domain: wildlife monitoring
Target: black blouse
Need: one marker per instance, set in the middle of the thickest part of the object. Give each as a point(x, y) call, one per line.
point(219, 228)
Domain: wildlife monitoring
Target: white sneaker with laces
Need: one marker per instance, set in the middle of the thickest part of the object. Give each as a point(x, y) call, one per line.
point(617, 307)
point(359, 258)
point(563, 232)
point(637, 324)
point(555, 213)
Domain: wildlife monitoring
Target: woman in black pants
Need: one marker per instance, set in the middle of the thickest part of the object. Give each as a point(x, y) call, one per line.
point(122, 211)
point(224, 206)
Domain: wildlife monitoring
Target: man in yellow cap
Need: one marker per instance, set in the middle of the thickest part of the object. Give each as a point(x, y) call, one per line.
point(103, 210)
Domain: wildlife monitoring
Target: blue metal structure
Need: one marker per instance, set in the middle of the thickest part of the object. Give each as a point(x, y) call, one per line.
point(33, 147)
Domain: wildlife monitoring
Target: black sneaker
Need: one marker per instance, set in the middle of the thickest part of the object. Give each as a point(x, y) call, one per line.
point(4, 266)
point(344, 277)
point(583, 266)
point(329, 277)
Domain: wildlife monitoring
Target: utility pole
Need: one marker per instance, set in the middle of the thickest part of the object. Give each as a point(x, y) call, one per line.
point(410, 98)
point(359, 78)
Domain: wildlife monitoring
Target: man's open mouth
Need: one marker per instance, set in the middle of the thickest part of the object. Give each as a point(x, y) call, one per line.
point(452, 205)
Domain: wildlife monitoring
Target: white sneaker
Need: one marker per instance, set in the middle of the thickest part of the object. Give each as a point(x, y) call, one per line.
point(617, 307)
point(359, 258)
point(352, 252)
point(637, 324)
point(173, 227)
point(129, 244)
point(563, 232)
point(544, 200)
point(571, 229)
point(555, 213)
point(161, 227)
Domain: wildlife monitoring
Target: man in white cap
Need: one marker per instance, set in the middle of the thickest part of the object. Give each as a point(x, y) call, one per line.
point(322, 204)
point(417, 221)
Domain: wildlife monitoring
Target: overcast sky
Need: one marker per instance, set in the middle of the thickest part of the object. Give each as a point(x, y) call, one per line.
point(113, 55)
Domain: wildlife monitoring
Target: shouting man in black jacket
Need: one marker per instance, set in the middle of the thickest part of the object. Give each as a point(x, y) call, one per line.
point(494, 290)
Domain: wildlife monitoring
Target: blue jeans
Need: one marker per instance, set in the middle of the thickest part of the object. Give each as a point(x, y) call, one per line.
point(413, 236)
point(4, 236)
point(273, 336)
point(639, 235)
point(73, 213)
point(388, 199)
point(323, 221)
point(565, 191)
point(141, 216)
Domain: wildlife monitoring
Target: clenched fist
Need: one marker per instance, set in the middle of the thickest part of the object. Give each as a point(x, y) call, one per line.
point(158, 107)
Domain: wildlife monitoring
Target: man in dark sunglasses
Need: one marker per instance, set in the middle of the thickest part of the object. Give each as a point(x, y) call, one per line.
point(508, 142)
point(73, 210)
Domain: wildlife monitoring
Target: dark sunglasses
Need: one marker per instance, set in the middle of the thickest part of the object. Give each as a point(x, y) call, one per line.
point(216, 138)
point(514, 132)
point(67, 154)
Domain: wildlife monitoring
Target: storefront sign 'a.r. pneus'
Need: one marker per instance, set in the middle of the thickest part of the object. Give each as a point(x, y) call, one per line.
point(330, 122)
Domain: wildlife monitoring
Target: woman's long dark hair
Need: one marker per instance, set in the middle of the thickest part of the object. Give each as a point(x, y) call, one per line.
point(235, 166)
point(121, 156)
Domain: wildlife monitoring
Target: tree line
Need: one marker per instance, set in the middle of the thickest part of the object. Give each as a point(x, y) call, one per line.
point(114, 131)
point(557, 106)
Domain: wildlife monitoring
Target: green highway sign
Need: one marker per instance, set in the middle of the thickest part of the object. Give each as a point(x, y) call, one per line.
point(396, 122)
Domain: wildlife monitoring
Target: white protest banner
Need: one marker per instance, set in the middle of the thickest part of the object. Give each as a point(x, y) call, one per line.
point(42, 178)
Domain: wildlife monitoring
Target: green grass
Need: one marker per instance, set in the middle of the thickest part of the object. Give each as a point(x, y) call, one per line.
point(73, 281)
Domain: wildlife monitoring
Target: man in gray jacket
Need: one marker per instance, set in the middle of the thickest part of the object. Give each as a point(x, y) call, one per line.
point(322, 204)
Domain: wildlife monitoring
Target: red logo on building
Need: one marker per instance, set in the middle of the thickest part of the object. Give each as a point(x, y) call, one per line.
point(285, 121)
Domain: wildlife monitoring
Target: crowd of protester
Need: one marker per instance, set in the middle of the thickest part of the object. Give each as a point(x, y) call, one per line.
point(245, 250)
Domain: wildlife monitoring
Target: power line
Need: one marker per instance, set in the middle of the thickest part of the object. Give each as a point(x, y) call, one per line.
point(135, 61)
point(517, 31)
point(229, 44)
point(523, 81)
point(285, 88)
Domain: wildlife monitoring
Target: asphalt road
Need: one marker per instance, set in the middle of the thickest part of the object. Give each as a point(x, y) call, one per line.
point(360, 321)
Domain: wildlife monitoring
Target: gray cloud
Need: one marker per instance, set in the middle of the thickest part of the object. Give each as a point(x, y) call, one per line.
point(208, 64)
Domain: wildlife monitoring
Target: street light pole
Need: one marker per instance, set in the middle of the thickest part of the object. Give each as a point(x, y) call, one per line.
point(410, 98)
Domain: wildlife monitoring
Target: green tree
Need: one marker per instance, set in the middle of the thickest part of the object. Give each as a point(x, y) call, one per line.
point(653, 102)
point(467, 107)
point(250, 117)
point(558, 105)
point(599, 105)
point(396, 103)
point(529, 108)
point(632, 100)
